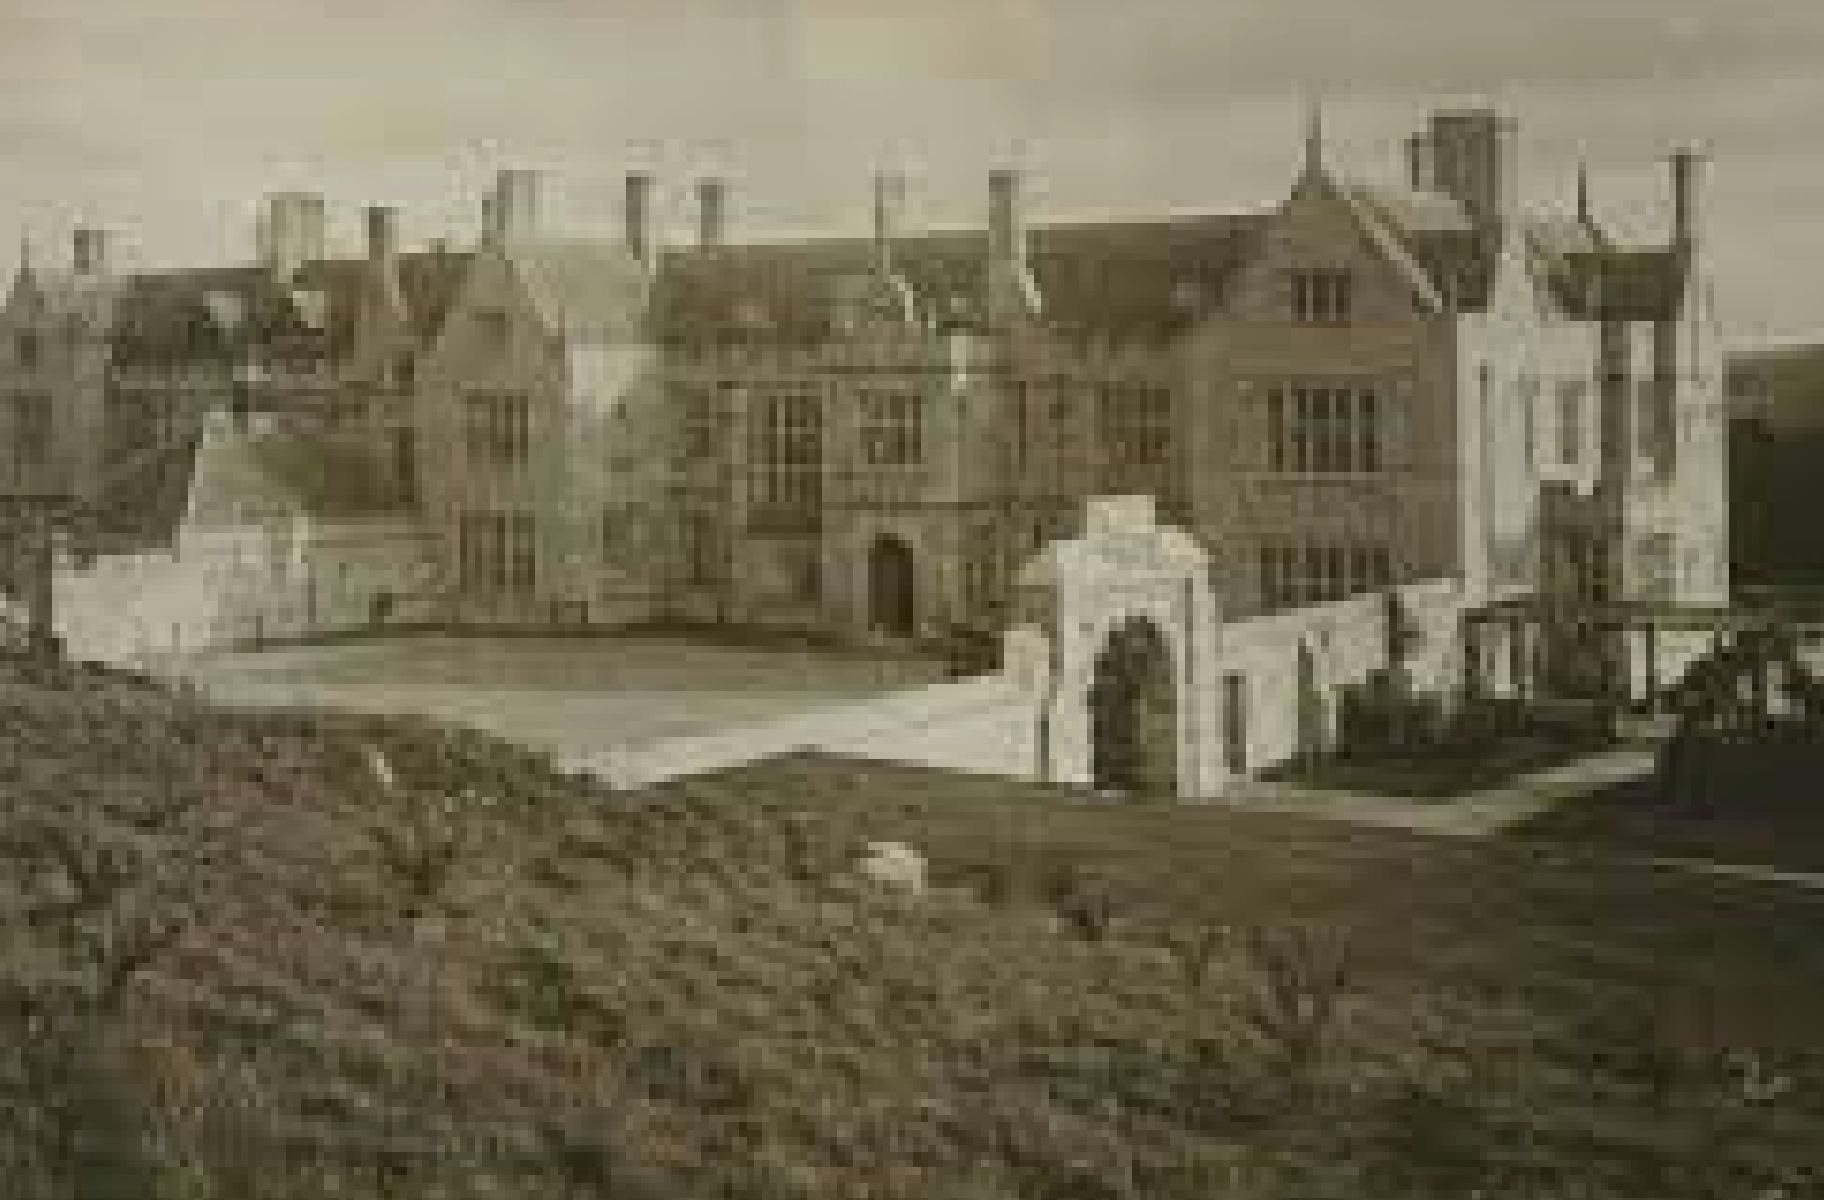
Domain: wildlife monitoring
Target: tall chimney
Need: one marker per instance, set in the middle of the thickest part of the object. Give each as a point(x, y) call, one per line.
point(383, 260)
point(382, 235)
point(712, 211)
point(510, 213)
point(1687, 165)
point(1011, 294)
point(291, 231)
point(1419, 169)
point(889, 203)
point(636, 212)
point(1006, 222)
point(90, 250)
point(1473, 160)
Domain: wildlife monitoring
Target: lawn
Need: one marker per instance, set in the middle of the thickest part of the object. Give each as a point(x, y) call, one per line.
point(244, 962)
point(574, 696)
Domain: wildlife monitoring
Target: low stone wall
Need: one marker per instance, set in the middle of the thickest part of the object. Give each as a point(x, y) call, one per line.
point(1009, 723)
point(1295, 667)
point(234, 585)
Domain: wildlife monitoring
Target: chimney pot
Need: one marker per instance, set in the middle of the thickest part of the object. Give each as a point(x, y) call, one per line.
point(291, 231)
point(382, 233)
point(1006, 231)
point(1010, 294)
point(637, 214)
point(511, 212)
point(712, 212)
point(89, 250)
point(889, 204)
point(1419, 163)
point(1687, 164)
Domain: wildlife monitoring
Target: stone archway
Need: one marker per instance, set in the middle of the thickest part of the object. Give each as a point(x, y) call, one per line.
point(892, 587)
point(1133, 703)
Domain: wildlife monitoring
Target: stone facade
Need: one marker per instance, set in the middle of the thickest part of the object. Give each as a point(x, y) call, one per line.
point(1362, 388)
point(545, 450)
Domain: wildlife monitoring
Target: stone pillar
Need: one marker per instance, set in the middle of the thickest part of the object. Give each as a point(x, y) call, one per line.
point(1649, 650)
point(1516, 659)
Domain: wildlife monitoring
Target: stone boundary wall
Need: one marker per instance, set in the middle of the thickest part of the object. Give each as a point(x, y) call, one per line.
point(230, 586)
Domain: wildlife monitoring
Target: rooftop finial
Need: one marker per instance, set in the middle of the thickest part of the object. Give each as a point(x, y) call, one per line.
point(1583, 189)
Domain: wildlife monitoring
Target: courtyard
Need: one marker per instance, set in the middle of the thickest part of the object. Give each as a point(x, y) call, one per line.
point(574, 697)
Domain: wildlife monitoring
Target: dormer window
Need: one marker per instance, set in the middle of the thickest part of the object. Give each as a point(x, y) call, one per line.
point(1321, 295)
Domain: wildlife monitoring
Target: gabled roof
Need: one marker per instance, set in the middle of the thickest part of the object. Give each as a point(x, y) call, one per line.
point(1592, 278)
point(1428, 235)
point(428, 282)
point(1398, 244)
point(1412, 211)
point(1559, 236)
point(1144, 278)
point(585, 290)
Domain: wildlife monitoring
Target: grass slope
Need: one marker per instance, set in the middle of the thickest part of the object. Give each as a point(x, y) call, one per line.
point(240, 966)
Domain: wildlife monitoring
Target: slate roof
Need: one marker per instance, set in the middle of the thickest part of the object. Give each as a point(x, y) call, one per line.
point(1625, 285)
point(586, 290)
point(1415, 211)
point(218, 312)
point(1451, 262)
point(89, 299)
point(145, 495)
point(1592, 278)
point(1127, 277)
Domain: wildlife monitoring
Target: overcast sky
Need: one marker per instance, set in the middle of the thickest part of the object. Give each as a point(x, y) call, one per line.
point(166, 119)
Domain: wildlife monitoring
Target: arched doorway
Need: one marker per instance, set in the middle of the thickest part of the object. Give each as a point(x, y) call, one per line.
point(1133, 712)
point(892, 595)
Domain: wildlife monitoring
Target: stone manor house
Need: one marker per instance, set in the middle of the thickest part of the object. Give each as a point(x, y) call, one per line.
point(1361, 388)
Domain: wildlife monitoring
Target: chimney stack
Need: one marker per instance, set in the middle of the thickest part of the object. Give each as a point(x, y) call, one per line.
point(1473, 160)
point(1687, 165)
point(291, 231)
point(90, 250)
point(1006, 221)
point(382, 235)
point(510, 212)
point(1011, 294)
point(1419, 168)
point(712, 211)
point(889, 204)
point(636, 213)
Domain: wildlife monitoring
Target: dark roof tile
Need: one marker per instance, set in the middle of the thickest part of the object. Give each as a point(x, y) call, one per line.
point(1128, 277)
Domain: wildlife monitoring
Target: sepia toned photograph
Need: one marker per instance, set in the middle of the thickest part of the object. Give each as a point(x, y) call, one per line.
point(911, 600)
